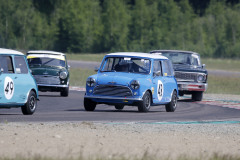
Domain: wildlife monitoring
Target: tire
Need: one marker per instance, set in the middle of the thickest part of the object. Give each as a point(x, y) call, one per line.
point(65, 92)
point(145, 104)
point(171, 106)
point(89, 105)
point(31, 105)
point(119, 106)
point(197, 96)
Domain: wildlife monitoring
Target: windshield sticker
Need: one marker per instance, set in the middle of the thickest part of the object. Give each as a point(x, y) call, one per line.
point(127, 58)
point(8, 88)
point(46, 56)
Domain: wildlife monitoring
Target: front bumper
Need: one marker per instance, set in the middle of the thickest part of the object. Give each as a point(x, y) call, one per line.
point(112, 99)
point(186, 86)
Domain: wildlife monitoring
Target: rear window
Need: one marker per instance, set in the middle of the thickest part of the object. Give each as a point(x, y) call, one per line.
point(20, 64)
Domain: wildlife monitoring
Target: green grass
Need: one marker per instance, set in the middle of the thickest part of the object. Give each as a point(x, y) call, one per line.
point(86, 57)
point(222, 64)
point(79, 76)
point(223, 85)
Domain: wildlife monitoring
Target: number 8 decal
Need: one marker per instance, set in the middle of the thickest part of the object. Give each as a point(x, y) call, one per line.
point(8, 88)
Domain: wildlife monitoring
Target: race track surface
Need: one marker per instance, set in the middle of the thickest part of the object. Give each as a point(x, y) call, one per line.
point(53, 108)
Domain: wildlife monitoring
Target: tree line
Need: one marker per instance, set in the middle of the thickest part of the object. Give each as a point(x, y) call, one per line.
point(209, 27)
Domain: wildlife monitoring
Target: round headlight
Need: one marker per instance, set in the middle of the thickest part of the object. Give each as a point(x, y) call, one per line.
point(63, 75)
point(135, 84)
point(201, 78)
point(91, 82)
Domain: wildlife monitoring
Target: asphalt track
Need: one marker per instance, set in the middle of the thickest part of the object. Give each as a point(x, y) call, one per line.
point(53, 108)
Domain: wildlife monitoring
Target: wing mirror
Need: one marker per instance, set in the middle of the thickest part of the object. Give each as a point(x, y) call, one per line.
point(204, 66)
point(96, 69)
point(157, 73)
point(1, 71)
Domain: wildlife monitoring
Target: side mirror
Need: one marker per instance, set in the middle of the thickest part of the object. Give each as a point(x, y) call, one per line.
point(96, 69)
point(69, 67)
point(158, 73)
point(1, 71)
point(204, 66)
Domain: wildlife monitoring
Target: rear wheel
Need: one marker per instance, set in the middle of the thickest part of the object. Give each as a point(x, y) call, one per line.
point(89, 105)
point(197, 96)
point(171, 106)
point(119, 106)
point(145, 104)
point(30, 107)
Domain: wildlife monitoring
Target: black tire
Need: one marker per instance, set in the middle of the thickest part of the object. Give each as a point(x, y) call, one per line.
point(65, 92)
point(119, 106)
point(145, 104)
point(31, 105)
point(89, 105)
point(197, 96)
point(171, 106)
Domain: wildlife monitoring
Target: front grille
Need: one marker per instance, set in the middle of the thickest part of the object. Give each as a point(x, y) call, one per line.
point(40, 79)
point(185, 76)
point(107, 90)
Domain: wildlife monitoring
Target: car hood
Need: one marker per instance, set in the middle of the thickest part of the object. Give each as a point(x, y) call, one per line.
point(53, 71)
point(113, 78)
point(188, 68)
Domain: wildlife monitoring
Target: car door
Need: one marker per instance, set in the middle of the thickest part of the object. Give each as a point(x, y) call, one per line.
point(21, 77)
point(158, 82)
point(7, 80)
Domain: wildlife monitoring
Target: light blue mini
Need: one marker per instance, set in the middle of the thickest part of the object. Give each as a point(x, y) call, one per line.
point(17, 86)
point(131, 78)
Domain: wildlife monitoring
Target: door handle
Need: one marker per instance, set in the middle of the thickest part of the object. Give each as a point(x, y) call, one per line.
point(15, 77)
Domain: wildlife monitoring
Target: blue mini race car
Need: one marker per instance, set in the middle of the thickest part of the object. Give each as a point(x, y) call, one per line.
point(17, 86)
point(136, 79)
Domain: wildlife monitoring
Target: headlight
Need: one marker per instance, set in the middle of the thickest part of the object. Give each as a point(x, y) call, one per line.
point(63, 75)
point(201, 77)
point(135, 84)
point(91, 82)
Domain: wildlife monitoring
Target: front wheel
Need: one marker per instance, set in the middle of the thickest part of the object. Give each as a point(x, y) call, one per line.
point(89, 105)
point(145, 104)
point(65, 92)
point(171, 106)
point(197, 96)
point(119, 106)
point(30, 107)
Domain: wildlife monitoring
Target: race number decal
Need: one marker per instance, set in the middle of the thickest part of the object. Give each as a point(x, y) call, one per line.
point(8, 88)
point(160, 90)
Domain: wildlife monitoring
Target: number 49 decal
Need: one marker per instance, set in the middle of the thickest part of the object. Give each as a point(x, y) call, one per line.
point(8, 88)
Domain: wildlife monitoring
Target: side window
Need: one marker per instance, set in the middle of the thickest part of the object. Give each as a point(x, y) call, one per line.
point(167, 68)
point(157, 66)
point(20, 64)
point(6, 64)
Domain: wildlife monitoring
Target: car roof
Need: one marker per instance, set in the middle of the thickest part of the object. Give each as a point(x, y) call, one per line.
point(182, 51)
point(138, 54)
point(10, 51)
point(44, 52)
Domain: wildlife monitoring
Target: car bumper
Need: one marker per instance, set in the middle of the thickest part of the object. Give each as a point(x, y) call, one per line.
point(185, 86)
point(112, 99)
point(49, 85)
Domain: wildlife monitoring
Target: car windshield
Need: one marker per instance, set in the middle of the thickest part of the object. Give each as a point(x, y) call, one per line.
point(126, 64)
point(45, 61)
point(183, 58)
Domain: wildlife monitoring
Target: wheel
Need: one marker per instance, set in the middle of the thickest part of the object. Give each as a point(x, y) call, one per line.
point(119, 106)
point(171, 106)
point(89, 105)
point(30, 107)
point(197, 96)
point(64, 92)
point(145, 104)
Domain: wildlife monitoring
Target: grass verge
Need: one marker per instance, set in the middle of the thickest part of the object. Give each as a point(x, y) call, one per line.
point(79, 76)
point(223, 85)
point(86, 57)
